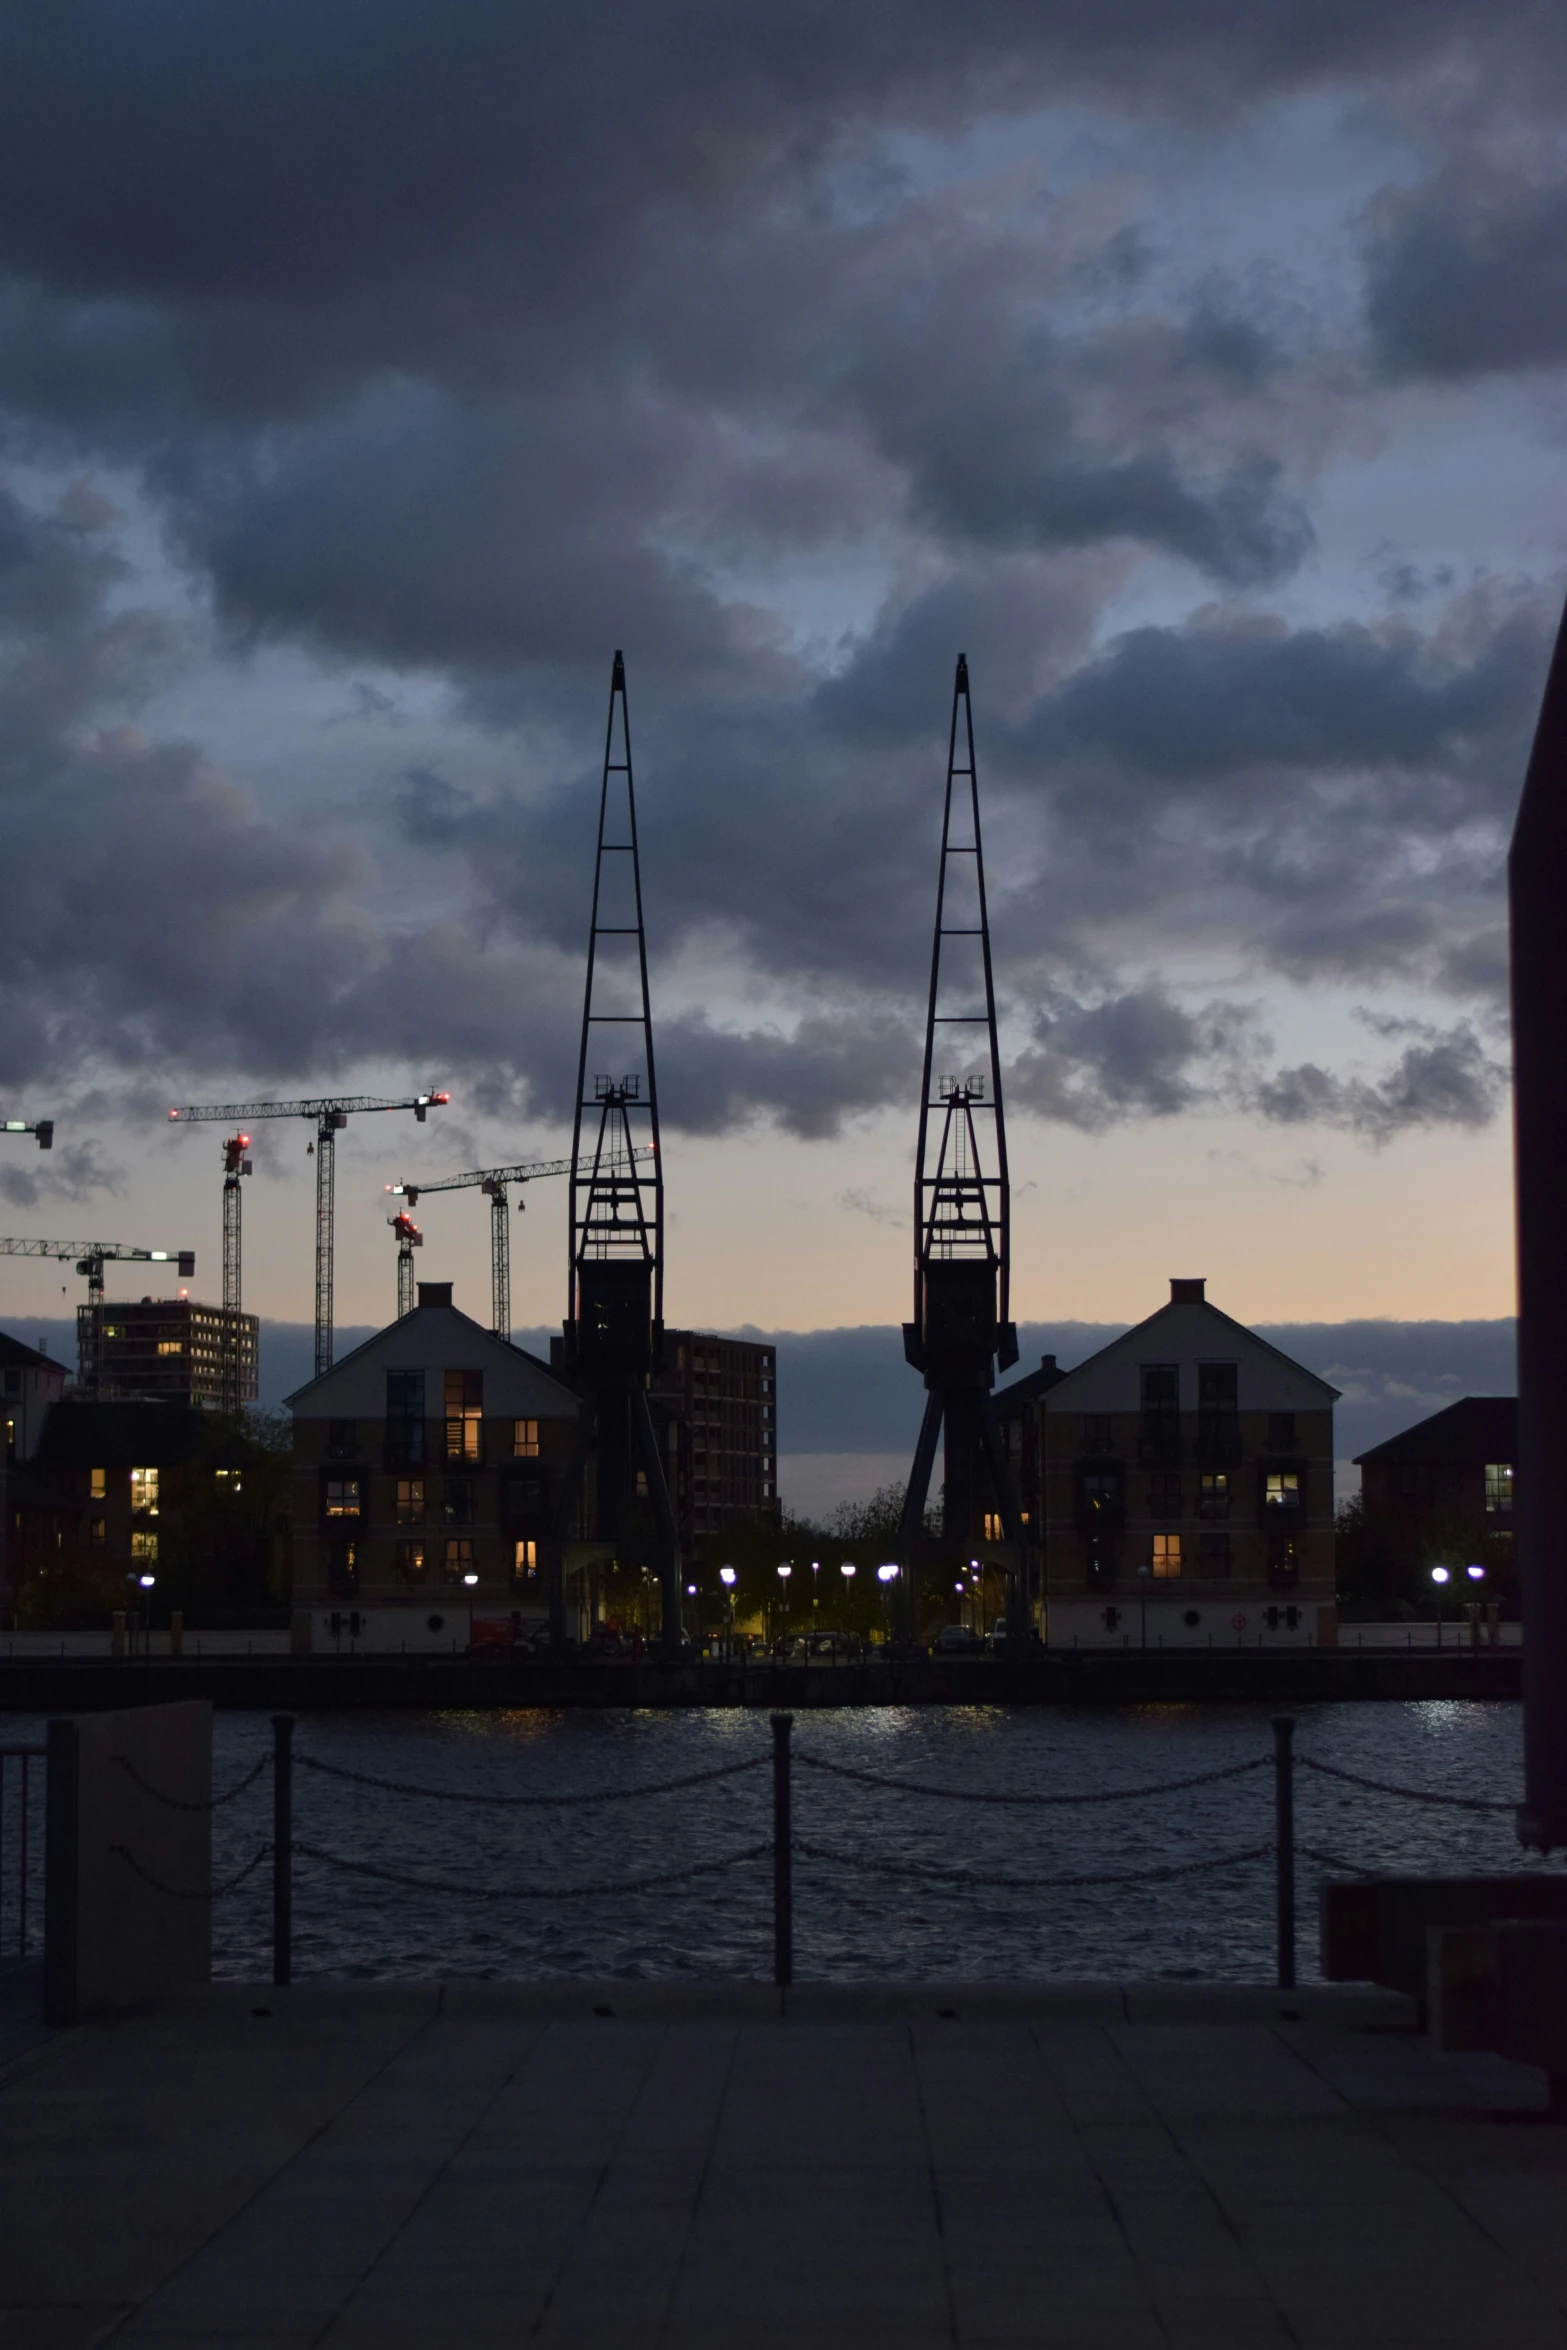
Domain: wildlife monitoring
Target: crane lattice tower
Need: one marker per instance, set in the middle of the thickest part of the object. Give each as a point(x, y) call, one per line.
point(613, 1338)
point(962, 1328)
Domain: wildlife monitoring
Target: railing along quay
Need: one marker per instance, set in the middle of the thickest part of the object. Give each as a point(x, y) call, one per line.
point(779, 1844)
point(21, 1851)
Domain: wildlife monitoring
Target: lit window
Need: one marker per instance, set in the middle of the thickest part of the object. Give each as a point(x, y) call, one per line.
point(464, 1414)
point(992, 1525)
point(525, 1561)
point(171, 1346)
point(227, 1480)
point(144, 1491)
point(342, 1497)
point(1167, 1554)
point(525, 1440)
point(410, 1501)
point(410, 1561)
point(1213, 1498)
point(98, 1484)
point(1499, 1487)
point(144, 1549)
point(1282, 1490)
point(457, 1558)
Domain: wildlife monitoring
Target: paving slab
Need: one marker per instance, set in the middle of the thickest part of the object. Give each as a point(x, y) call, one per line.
point(663, 2167)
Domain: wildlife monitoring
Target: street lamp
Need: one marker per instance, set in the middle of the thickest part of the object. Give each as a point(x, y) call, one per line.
point(886, 1576)
point(816, 1568)
point(726, 1576)
point(1475, 1574)
point(784, 1573)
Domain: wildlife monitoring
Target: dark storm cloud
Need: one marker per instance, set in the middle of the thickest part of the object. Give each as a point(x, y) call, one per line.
point(1444, 1079)
point(305, 145)
point(72, 1171)
point(1135, 1055)
point(1229, 697)
point(470, 341)
point(1467, 273)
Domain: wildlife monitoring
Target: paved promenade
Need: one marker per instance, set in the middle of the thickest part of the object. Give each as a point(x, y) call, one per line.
point(401, 2166)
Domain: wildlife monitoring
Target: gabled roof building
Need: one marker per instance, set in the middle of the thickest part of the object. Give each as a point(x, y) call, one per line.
point(1187, 1489)
point(427, 1467)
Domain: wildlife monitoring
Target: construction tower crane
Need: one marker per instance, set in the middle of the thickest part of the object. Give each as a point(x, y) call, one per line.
point(494, 1182)
point(236, 1162)
point(331, 1115)
point(613, 1339)
point(409, 1237)
point(42, 1127)
point(89, 1258)
point(962, 1203)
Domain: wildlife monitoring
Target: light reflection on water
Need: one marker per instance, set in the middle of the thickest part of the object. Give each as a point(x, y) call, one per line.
point(850, 1922)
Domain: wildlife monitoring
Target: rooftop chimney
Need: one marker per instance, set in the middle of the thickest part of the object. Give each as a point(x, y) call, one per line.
point(1047, 1362)
point(1188, 1293)
point(435, 1293)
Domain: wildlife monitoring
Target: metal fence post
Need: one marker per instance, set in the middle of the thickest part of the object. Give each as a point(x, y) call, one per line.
point(62, 1802)
point(1284, 1844)
point(783, 1881)
point(282, 1848)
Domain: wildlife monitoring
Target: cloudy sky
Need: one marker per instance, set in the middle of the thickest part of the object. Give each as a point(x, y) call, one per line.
point(368, 373)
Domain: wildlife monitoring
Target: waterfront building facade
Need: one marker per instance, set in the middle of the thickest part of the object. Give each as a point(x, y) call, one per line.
point(30, 1382)
point(1187, 1490)
point(1441, 1494)
point(427, 1466)
point(718, 1400)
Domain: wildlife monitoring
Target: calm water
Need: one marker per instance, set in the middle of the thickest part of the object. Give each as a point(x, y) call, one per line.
point(850, 1922)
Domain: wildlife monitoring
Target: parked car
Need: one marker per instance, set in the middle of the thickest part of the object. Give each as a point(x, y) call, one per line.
point(957, 1640)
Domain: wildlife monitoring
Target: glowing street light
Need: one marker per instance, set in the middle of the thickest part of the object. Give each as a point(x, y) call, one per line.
point(1439, 1575)
point(886, 1574)
point(1475, 1574)
point(146, 1581)
point(726, 1576)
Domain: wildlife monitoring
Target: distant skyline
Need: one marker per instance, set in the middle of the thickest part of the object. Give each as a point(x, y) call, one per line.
point(1198, 371)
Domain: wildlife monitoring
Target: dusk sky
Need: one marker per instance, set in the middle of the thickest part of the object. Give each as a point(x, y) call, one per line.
point(369, 373)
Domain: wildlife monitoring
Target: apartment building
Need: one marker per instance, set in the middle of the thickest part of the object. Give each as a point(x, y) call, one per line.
point(167, 1347)
point(1188, 1489)
point(426, 1474)
point(718, 1401)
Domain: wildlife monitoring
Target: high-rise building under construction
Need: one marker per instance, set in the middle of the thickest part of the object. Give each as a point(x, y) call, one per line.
point(167, 1347)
